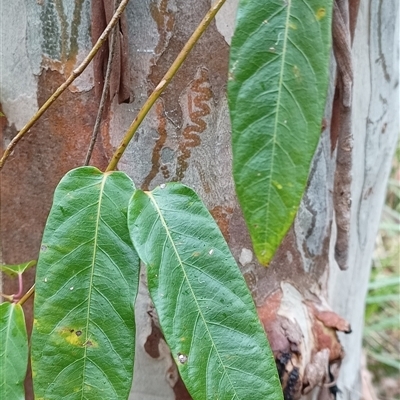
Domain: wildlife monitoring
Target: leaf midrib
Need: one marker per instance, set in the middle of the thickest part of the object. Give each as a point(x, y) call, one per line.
point(163, 222)
point(103, 181)
point(278, 106)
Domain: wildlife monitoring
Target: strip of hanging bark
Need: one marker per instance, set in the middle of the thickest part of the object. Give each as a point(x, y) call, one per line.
point(341, 127)
point(120, 79)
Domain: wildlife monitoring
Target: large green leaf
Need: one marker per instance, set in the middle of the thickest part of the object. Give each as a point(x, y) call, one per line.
point(204, 306)
point(86, 285)
point(13, 352)
point(276, 90)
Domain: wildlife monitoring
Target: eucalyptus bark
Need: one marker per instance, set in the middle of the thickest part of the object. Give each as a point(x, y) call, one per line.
point(303, 298)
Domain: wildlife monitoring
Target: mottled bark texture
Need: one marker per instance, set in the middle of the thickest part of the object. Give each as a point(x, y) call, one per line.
point(303, 298)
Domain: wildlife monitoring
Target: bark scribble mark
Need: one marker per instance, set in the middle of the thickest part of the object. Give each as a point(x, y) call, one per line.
point(198, 96)
point(165, 20)
point(382, 58)
point(155, 157)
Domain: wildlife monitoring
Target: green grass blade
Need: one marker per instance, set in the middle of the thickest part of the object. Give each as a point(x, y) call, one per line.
point(382, 324)
point(384, 282)
point(386, 359)
point(86, 285)
point(379, 299)
point(205, 309)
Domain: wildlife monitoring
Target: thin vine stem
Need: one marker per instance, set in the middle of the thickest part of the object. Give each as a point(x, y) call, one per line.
point(26, 296)
point(147, 105)
point(75, 73)
point(164, 83)
point(104, 95)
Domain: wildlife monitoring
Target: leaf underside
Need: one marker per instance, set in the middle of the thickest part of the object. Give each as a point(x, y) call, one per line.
point(86, 285)
point(277, 90)
point(205, 309)
point(13, 351)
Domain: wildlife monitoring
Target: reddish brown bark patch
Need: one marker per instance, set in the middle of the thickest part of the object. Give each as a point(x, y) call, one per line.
point(222, 215)
point(56, 144)
point(300, 372)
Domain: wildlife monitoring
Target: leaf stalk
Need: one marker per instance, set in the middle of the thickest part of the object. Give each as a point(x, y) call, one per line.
point(26, 296)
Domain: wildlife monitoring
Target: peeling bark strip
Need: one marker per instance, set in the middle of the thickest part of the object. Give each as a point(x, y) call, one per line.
point(120, 80)
point(303, 337)
point(341, 129)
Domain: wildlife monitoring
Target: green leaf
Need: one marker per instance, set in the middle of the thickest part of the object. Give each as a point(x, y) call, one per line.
point(86, 285)
point(276, 91)
point(17, 269)
point(13, 351)
point(205, 309)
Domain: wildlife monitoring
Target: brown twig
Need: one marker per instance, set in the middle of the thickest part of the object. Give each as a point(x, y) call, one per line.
point(104, 95)
point(164, 83)
point(26, 296)
point(75, 73)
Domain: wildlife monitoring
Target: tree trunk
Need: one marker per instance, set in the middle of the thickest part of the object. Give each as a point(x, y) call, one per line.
point(186, 137)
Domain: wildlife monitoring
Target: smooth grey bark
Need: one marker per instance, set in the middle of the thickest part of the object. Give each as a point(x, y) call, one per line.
point(186, 137)
point(375, 130)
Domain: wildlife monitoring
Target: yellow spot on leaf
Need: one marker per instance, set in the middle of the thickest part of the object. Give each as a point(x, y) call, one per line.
point(293, 26)
point(296, 72)
point(277, 185)
point(71, 336)
point(73, 339)
point(321, 12)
